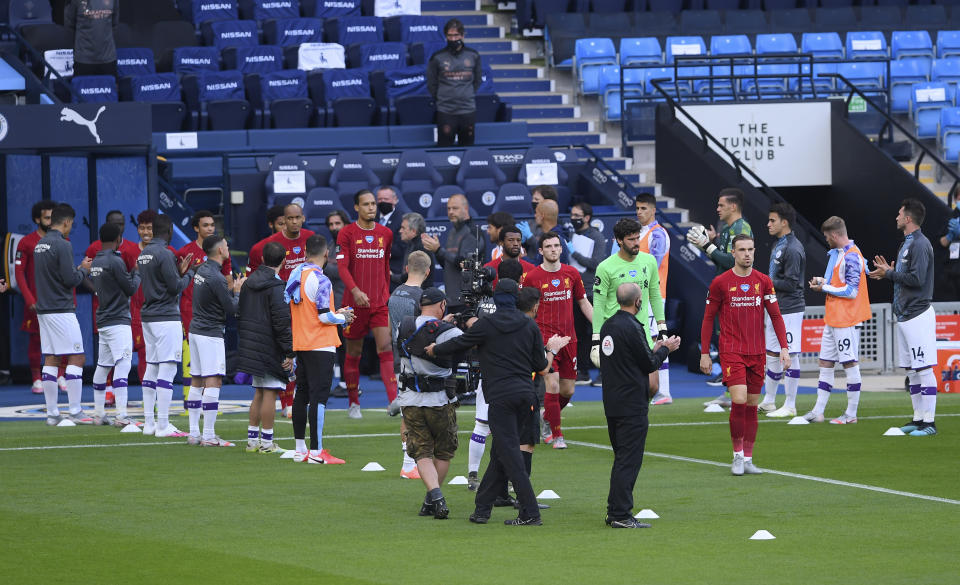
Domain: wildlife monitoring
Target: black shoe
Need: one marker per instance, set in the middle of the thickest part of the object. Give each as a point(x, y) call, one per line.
point(440, 509)
point(598, 381)
point(477, 519)
point(627, 523)
point(504, 502)
point(608, 520)
point(339, 391)
point(518, 521)
point(716, 380)
point(426, 509)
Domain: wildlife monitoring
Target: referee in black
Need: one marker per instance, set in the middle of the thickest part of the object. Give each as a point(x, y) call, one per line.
point(510, 349)
point(626, 361)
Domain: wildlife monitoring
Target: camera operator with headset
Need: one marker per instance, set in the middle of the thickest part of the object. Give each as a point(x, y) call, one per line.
point(510, 348)
point(460, 242)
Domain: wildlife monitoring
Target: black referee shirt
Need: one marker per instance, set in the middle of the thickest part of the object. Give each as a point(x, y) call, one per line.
point(626, 360)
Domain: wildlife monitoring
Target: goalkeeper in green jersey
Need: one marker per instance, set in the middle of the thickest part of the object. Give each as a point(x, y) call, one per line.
point(629, 264)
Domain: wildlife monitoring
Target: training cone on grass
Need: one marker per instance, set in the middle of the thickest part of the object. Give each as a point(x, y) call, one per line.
point(66, 423)
point(762, 535)
point(548, 495)
point(798, 420)
point(713, 408)
point(646, 513)
point(131, 428)
point(288, 454)
point(373, 466)
point(458, 480)
point(894, 432)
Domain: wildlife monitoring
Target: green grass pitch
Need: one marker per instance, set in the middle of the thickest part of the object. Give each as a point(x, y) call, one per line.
point(119, 508)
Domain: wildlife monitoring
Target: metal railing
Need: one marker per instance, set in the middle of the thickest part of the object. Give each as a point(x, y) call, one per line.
point(30, 77)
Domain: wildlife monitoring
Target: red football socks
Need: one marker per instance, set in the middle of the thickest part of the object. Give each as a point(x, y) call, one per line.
point(564, 400)
point(387, 375)
point(351, 376)
point(737, 425)
point(749, 429)
point(551, 413)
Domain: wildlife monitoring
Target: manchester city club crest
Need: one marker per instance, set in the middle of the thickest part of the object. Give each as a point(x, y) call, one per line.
point(369, 239)
point(296, 249)
point(555, 282)
point(744, 287)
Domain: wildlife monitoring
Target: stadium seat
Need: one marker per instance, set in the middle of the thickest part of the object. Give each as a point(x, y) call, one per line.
point(948, 135)
point(162, 92)
point(416, 175)
point(23, 13)
point(771, 87)
point(480, 178)
point(230, 33)
point(285, 101)
point(514, 198)
point(903, 74)
point(310, 56)
point(351, 173)
point(589, 55)
point(420, 53)
point(701, 22)
point(834, 18)
point(659, 23)
point(665, 78)
point(948, 43)
point(334, 9)
point(731, 5)
point(168, 36)
point(288, 174)
point(223, 105)
point(411, 29)
point(348, 30)
point(378, 56)
point(866, 45)
point(929, 17)
point(612, 24)
point(927, 99)
point(836, 3)
point(686, 46)
point(94, 88)
point(822, 45)
point(795, 20)
point(259, 59)
point(730, 45)
point(611, 93)
point(406, 95)
point(864, 75)
point(911, 45)
point(880, 17)
point(674, 6)
point(776, 43)
point(741, 22)
point(258, 10)
point(292, 31)
point(606, 6)
point(349, 102)
point(946, 70)
point(543, 155)
point(641, 51)
point(135, 61)
point(207, 10)
point(320, 201)
point(195, 60)
point(771, 5)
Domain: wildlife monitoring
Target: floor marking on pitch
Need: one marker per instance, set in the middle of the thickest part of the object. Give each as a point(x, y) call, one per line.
point(827, 480)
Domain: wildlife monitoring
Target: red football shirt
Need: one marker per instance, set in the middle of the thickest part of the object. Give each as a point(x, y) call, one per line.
point(363, 260)
point(741, 302)
point(495, 264)
point(186, 297)
point(558, 291)
point(129, 252)
point(255, 258)
point(23, 270)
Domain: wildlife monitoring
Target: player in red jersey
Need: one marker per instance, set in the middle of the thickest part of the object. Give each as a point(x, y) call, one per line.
point(23, 270)
point(293, 237)
point(511, 247)
point(275, 219)
point(560, 286)
point(740, 296)
point(363, 259)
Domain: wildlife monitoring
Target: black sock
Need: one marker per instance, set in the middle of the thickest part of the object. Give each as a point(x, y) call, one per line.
point(434, 494)
point(527, 461)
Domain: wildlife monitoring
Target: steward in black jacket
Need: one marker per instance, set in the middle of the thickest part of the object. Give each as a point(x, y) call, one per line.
point(263, 323)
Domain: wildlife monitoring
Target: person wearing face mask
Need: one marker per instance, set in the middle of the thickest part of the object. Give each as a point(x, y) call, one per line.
point(580, 216)
point(461, 241)
point(389, 215)
point(453, 78)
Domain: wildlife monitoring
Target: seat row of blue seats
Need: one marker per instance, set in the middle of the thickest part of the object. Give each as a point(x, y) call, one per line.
point(345, 30)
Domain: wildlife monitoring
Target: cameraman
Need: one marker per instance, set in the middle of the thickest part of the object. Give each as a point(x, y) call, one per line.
point(461, 243)
point(428, 408)
point(510, 348)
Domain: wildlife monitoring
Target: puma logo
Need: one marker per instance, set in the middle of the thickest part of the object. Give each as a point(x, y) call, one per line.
point(68, 115)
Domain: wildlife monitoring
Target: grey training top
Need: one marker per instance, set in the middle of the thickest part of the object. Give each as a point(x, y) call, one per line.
point(453, 80)
point(114, 287)
point(212, 300)
point(912, 277)
point(788, 261)
point(94, 23)
point(422, 367)
point(161, 283)
point(55, 274)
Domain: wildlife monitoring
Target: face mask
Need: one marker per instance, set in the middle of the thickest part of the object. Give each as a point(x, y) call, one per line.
point(455, 46)
point(577, 223)
point(384, 208)
point(535, 203)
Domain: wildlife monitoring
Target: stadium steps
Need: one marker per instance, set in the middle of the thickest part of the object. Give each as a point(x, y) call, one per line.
point(559, 125)
point(542, 112)
point(518, 72)
point(544, 98)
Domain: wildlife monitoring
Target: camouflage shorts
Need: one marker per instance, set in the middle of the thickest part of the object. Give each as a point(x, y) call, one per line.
point(431, 431)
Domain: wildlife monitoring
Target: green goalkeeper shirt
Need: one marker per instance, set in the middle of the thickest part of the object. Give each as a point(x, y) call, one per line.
point(724, 242)
point(615, 271)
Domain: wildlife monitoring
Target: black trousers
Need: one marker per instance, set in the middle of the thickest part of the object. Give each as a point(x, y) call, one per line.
point(584, 330)
point(95, 68)
point(459, 126)
point(509, 419)
point(628, 436)
point(314, 375)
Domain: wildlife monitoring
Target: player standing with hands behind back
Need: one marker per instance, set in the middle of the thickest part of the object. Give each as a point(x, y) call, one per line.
point(740, 296)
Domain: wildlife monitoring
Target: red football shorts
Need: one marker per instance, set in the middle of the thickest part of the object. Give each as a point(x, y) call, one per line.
point(365, 319)
point(565, 362)
point(740, 370)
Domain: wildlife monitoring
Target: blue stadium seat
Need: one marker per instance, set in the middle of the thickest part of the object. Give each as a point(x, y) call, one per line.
point(207, 10)
point(162, 91)
point(351, 173)
point(223, 103)
point(335, 8)
point(378, 56)
point(700, 22)
point(490, 108)
point(230, 33)
point(770, 5)
point(310, 56)
point(948, 135)
point(29, 12)
point(730, 45)
point(269, 9)
point(408, 100)
point(674, 6)
point(195, 59)
point(822, 45)
point(420, 53)
point(927, 99)
point(640, 51)
point(752, 22)
point(771, 87)
point(931, 16)
point(320, 201)
point(864, 75)
point(135, 61)
point(911, 45)
point(285, 99)
point(287, 162)
point(776, 43)
point(349, 102)
point(834, 18)
point(948, 43)
point(610, 92)
point(438, 203)
point(411, 29)
point(665, 76)
point(866, 45)
point(94, 88)
point(835, 3)
point(259, 59)
point(792, 20)
point(348, 30)
point(603, 6)
point(946, 70)
point(543, 155)
point(731, 5)
point(479, 175)
point(822, 83)
point(659, 23)
point(292, 31)
point(903, 74)
point(514, 198)
point(686, 45)
point(415, 174)
point(589, 55)
point(880, 17)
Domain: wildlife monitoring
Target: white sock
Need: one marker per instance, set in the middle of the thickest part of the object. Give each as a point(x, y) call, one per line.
point(740, 453)
point(915, 396)
point(301, 446)
point(253, 434)
point(50, 389)
point(824, 385)
point(928, 394)
point(853, 390)
point(408, 462)
point(74, 376)
point(772, 379)
point(665, 378)
point(791, 382)
point(166, 372)
point(121, 370)
point(266, 437)
point(149, 392)
point(210, 404)
point(478, 442)
point(194, 397)
point(100, 389)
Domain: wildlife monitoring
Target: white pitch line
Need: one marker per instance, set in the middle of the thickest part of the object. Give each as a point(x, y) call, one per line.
point(827, 480)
